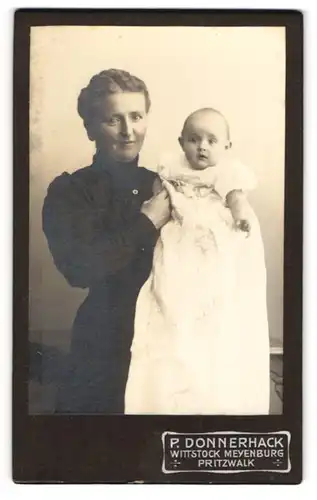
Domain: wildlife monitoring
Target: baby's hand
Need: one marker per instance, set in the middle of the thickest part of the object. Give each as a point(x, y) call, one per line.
point(243, 225)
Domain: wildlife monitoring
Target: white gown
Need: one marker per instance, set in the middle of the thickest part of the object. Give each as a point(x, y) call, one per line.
point(201, 341)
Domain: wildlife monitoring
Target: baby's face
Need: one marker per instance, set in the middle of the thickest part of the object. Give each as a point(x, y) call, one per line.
point(204, 139)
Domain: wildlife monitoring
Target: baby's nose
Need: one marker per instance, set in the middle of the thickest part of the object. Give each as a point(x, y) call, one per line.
point(203, 144)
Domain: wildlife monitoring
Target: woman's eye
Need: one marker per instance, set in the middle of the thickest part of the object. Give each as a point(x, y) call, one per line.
point(113, 121)
point(137, 117)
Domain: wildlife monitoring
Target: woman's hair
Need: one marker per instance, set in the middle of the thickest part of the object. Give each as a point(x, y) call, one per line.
point(110, 81)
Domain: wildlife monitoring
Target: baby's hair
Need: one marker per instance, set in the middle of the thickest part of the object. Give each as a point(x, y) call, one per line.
point(110, 81)
point(203, 110)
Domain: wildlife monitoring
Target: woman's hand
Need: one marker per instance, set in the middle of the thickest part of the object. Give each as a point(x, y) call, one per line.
point(177, 201)
point(158, 209)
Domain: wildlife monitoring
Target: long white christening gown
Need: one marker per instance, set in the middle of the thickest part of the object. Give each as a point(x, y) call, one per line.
point(201, 341)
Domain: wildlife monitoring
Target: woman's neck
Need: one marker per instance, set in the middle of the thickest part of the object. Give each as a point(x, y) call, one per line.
point(105, 159)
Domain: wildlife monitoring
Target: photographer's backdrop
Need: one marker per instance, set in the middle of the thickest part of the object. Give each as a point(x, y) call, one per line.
point(238, 70)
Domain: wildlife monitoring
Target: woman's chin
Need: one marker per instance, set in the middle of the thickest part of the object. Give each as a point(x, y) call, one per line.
point(126, 156)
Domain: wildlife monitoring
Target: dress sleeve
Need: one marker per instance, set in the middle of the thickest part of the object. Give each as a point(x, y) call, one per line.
point(235, 176)
point(76, 224)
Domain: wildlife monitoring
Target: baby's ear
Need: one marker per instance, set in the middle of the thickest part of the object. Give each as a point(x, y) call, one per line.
point(181, 141)
point(229, 145)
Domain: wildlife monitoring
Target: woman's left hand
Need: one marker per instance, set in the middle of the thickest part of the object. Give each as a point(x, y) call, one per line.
point(158, 209)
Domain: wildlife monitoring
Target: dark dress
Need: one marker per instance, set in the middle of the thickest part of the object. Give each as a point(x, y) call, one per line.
point(100, 240)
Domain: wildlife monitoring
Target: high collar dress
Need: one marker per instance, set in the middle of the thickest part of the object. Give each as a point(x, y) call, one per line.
point(100, 241)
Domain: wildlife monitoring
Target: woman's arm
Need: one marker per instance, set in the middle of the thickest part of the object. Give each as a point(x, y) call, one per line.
point(84, 249)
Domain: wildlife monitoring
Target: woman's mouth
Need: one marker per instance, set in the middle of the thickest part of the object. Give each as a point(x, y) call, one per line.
point(124, 145)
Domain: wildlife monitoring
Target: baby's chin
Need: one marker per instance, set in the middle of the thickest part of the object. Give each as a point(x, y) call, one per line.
point(200, 165)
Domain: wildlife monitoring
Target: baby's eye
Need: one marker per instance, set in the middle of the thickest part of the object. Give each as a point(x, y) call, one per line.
point(212, 141)
point(193, 140)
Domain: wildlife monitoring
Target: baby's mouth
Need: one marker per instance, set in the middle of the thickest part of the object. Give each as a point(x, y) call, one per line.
point(202, 156)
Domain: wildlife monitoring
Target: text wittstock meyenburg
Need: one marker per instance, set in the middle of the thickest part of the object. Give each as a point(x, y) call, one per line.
point(226, 452)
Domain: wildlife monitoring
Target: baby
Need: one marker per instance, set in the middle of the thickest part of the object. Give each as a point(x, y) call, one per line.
point(205, 141)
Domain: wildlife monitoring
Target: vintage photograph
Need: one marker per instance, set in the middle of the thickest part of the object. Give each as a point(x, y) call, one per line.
point(156, 251)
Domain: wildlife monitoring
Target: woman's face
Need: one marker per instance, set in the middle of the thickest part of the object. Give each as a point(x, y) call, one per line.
point(120, 128)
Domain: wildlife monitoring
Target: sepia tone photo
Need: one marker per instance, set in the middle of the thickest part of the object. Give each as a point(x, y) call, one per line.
point(156, 220)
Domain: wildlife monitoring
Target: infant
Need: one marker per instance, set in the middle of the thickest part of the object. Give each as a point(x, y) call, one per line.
point(206, 162)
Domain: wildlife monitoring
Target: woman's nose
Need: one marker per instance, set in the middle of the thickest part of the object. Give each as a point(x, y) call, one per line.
point(126, 128)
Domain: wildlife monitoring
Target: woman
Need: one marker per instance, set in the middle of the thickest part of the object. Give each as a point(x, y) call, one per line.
point(101, 230)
